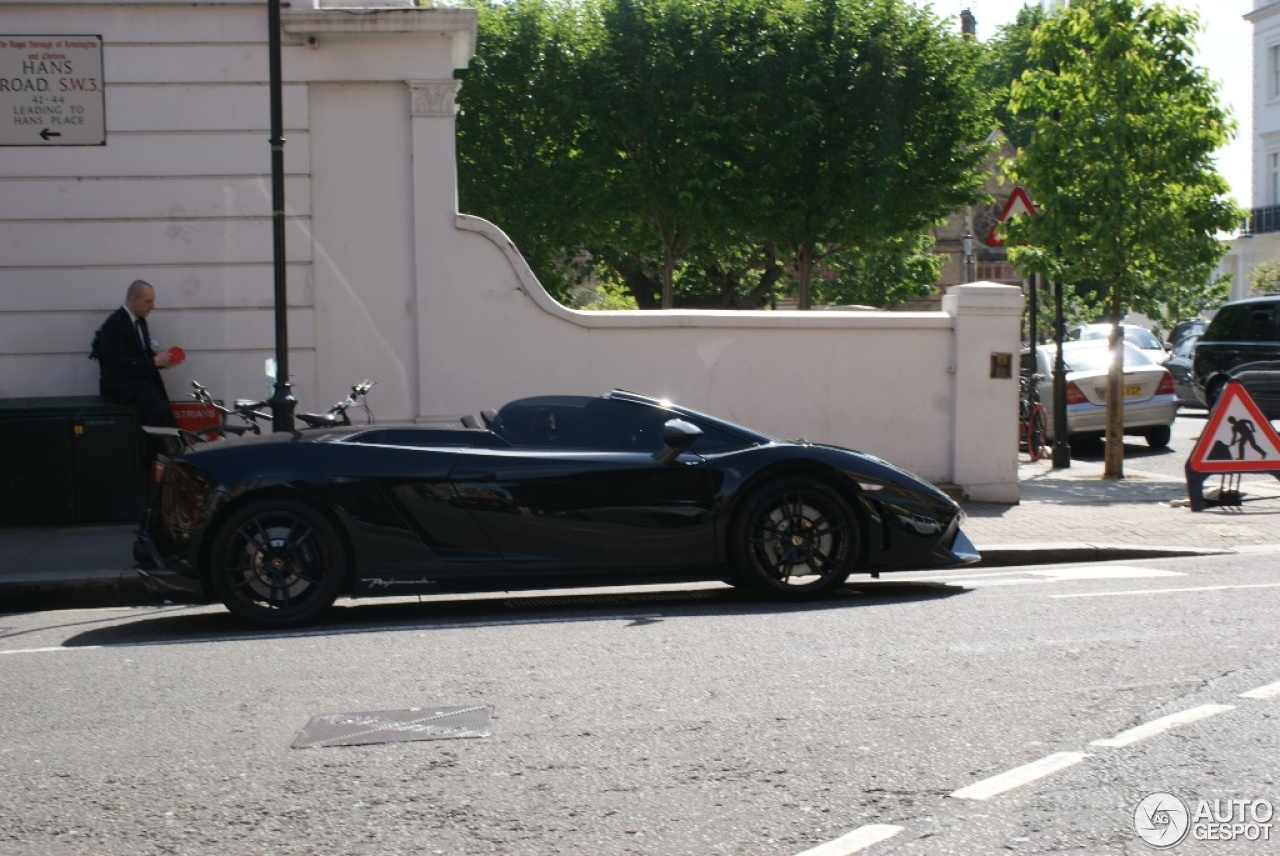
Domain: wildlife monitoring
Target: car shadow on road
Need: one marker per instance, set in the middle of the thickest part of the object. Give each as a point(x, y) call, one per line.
point(201, 625)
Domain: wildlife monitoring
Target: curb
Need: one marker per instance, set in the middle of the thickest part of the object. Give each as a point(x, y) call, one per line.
point(102, 588)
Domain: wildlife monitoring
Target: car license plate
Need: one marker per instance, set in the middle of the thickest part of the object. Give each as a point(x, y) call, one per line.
point(1130, 391)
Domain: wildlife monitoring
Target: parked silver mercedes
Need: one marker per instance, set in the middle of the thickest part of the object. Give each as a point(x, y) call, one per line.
point(1150, 404)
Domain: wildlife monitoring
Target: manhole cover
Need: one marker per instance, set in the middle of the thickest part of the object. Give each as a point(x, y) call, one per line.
point(396, 726)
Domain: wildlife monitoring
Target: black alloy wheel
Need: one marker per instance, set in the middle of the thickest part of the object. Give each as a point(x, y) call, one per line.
point(278, 563)
point(794, 539)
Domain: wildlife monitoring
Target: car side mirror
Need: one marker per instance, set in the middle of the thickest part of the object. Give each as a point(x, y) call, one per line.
point(677, 436)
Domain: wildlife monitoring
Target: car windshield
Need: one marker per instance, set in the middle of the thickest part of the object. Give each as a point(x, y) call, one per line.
point(1141, 338)
point(1136, 336)
point(1096, 357)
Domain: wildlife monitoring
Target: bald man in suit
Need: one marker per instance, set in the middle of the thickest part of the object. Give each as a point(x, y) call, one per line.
point(129, 365)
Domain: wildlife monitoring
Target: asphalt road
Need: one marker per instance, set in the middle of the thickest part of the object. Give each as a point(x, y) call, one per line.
point(1168, 461)
point(688, 721)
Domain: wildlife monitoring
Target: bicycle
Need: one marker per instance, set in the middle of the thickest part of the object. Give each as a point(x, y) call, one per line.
point(337, 415)
point(1033, 419)
point(248, 410)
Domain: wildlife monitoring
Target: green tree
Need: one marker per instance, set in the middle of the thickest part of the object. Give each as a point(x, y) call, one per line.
point(870, 130)
point(899, 270)
point(1265, 278)
point(1004, 58)
point(704, 154)
point(1120, 164)
point(519, 129)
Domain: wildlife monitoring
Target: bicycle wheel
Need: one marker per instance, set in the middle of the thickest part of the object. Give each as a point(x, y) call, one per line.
point(1037, 434)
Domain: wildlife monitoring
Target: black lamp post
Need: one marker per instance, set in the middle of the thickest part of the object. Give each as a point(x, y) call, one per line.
point(968, 256)
point(282, 401)
point(1061, 447)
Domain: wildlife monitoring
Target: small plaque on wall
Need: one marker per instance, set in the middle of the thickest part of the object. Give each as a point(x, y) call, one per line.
point(1002, 365)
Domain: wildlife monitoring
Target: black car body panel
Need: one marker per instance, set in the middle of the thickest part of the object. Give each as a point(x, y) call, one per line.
point(1179, 365)
point(557, 491)
point(1242, 343)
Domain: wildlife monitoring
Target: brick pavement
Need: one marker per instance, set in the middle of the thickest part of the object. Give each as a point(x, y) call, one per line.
point(1076, 506)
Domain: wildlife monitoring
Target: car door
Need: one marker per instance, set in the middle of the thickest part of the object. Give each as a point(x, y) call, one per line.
point(581, 492)
point(395, 490)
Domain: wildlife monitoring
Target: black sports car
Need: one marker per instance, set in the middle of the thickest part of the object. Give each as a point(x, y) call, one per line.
point(554, 491)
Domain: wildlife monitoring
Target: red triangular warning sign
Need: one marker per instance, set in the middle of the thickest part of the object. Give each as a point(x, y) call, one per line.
point(1238, 438)
point(1017, 203)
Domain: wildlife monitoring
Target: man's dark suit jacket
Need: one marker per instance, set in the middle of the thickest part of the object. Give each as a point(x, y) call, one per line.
point(128, 370)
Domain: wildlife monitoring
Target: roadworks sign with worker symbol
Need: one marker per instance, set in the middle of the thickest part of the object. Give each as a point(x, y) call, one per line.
point(1237, 439)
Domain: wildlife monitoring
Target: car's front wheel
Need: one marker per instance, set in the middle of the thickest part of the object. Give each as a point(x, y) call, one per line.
point(794, 539)
point(277, 563)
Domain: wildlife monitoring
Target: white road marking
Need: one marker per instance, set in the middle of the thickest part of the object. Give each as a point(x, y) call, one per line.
point(1130, 592)
point(1269, 691)
point(1164, 723)
point(1104, 572)
point(860, 839)
point(1070, 572)
point(53, 648)
point(1019, 776)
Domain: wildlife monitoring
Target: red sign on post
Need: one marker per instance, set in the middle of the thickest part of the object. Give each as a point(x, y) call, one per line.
point(1017, 203)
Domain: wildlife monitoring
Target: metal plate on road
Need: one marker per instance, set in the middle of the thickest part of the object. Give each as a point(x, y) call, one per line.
point(51, 91)
point(396, 726)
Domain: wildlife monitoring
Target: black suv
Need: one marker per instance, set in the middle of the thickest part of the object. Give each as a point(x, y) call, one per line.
point(1242, 343)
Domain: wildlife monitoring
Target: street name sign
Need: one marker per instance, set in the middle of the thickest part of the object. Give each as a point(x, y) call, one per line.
point(51, 91)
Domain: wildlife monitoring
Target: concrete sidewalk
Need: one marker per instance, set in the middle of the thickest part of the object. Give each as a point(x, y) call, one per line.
point(1065, 515)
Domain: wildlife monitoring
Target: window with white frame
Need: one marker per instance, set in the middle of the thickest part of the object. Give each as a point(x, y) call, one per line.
point(1273, 71)
point(1273, 178)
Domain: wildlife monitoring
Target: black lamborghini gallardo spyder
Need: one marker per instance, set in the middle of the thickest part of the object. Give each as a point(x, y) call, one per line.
point(547, 492)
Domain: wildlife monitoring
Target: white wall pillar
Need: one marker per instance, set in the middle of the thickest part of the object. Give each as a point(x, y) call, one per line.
point(984, 449)
point(435, 207)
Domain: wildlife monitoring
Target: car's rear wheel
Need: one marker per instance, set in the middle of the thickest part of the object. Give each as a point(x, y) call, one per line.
point(1158, 438)
point(794, 539)
point(277, 563)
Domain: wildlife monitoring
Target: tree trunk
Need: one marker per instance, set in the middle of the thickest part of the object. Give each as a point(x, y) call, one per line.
point(1114, 454)
point(804, 273)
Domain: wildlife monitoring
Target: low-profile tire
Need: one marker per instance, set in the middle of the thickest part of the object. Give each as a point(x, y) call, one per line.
point(1213, 393)
point(277, 563)
point(1158, 438)
point(794, 539)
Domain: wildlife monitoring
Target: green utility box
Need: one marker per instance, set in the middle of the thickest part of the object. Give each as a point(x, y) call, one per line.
point(71, 459)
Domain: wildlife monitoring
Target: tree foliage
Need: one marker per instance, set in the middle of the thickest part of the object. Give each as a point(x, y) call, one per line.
point(1119, 161)
point(1003, 61)
point(711, 153)
point(1265, 278)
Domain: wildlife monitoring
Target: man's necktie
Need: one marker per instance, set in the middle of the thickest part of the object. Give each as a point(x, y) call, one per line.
point(142, 334)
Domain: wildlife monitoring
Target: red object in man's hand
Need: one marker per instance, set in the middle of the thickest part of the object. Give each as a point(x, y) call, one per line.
point(176, 355)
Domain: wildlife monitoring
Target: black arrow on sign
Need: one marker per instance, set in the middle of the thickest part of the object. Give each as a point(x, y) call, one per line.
point(46, 133)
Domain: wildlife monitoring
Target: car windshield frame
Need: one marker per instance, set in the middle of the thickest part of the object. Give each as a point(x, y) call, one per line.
point(613, 423)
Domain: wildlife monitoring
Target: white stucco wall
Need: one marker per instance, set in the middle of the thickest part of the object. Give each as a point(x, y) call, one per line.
point(387, 280)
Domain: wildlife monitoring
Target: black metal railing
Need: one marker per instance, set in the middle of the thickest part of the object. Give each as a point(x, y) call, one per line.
point(1262, 221)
